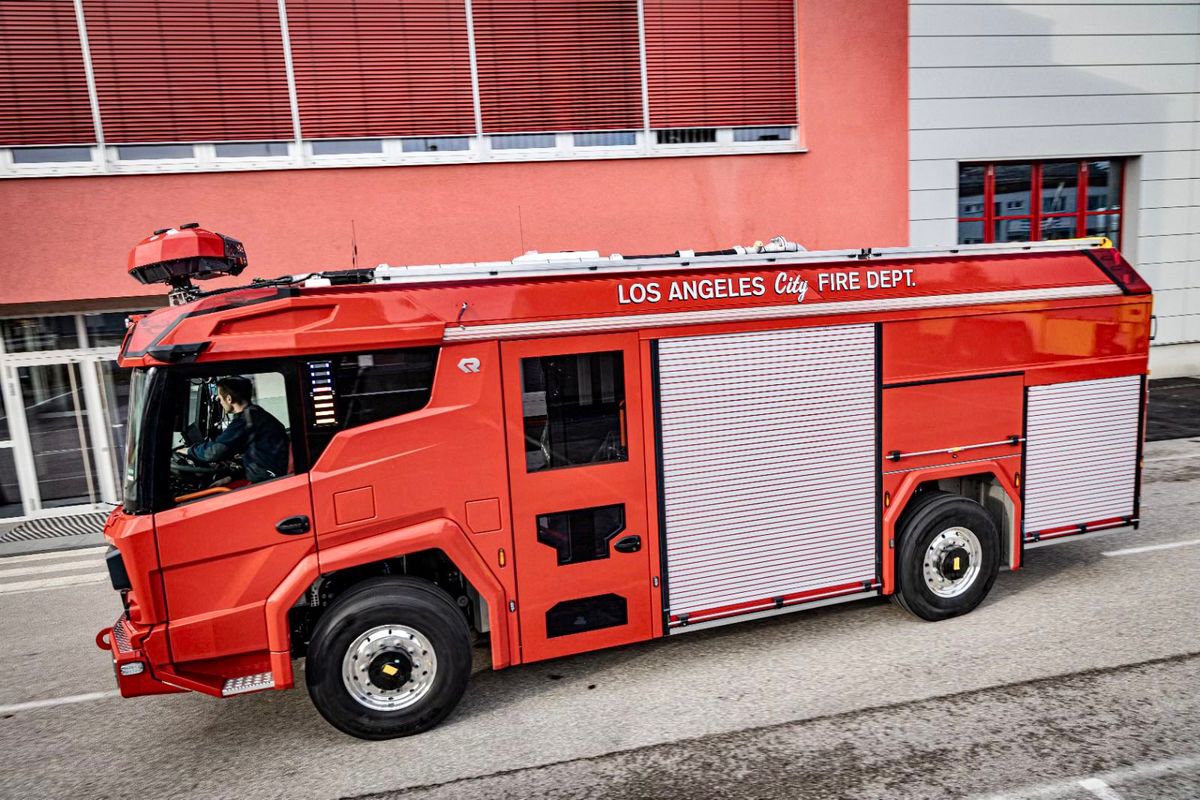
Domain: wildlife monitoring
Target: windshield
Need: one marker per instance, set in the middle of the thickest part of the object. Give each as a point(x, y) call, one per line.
point(139, 388)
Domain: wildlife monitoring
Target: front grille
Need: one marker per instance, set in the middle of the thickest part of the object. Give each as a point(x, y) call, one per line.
point(121, 636)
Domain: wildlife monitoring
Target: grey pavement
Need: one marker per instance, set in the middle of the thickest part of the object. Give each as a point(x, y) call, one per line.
point(1080, 666)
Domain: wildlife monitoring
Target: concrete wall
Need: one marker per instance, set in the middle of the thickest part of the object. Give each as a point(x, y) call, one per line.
point(1035, 80)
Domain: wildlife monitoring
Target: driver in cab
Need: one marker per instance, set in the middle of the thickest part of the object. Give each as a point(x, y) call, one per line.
point(255, 435)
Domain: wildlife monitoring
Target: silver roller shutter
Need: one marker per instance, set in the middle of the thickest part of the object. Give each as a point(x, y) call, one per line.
point(768, 463)
point(1081, 451)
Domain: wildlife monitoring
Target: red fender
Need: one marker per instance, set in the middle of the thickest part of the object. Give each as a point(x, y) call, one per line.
point(438, 534)
point(1003, 470)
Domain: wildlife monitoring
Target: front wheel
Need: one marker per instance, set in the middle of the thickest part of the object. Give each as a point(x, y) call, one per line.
point(948, 558)
point(390, 658)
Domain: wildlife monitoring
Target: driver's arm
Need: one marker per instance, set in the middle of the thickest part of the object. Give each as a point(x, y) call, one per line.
point(232, 441)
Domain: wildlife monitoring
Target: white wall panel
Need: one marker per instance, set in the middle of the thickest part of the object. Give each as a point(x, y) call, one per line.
point(1051, 20)
point(1073, 51)
point(1179, 247)
point(933, 174)
point(928, 233)
point(1170, 194)
point(1054, 141)
point(933, 204)
point(1167, 166)
point(1007, 112)
point(1051, 81)
point(769, 463)
point(1165, 221)
point(1170, 276)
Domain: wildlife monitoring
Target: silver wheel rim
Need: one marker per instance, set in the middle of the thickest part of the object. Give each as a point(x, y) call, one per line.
point(385, 641)
point(942, 544)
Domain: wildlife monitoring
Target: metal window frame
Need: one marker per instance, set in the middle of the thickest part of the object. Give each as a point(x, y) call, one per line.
point(1036, 215)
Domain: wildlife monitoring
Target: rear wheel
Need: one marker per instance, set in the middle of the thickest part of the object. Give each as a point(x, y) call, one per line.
point(948, 558)
point(391, 657)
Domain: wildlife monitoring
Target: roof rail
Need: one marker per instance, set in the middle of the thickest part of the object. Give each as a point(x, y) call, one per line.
point(589, 262)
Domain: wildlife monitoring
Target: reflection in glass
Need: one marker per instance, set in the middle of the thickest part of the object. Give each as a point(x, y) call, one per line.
point(1013, 187)
point(29, 334)
point(1104, 186)
point(1105, 225)
point(10, 492)
point(1059, 227)
point(574, 410)
point(57, 421)
point(970, 192)
point(1060, 187)
point(970, 232)
point(1012, 230)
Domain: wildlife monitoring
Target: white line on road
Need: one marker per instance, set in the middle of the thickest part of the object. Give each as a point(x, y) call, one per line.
point(1131, 550)
point(83, 551)
point(21, 587)
point(59, 701)
point(1138, 772)
point(42, 569)
point(1099, 788)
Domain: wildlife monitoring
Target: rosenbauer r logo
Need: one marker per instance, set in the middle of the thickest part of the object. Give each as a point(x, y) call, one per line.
point(469, 364)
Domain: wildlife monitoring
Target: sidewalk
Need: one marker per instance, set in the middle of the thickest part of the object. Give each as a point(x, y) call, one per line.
point(1174, 414)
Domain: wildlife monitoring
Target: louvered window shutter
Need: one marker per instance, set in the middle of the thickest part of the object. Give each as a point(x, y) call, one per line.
point(201, 70)
point(381, 67)
point(43, 86)
point(558, 65)
point(715, 63)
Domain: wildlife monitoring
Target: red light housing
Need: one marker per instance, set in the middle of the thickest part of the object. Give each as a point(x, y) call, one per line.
point(174, 256)
point(1119, 271)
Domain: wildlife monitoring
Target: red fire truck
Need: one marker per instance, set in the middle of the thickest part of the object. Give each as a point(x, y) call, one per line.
point(371, 469)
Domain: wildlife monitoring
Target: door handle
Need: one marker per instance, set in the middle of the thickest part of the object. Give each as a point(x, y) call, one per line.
point(629, 544)
point(293, 525)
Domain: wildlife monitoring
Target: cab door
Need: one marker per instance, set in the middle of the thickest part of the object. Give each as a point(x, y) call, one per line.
point(577, 466)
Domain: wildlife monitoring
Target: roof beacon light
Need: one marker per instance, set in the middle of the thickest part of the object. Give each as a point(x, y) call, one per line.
point(175, 256)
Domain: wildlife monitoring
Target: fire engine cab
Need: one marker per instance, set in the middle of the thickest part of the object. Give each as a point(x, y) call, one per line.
point(373, 469)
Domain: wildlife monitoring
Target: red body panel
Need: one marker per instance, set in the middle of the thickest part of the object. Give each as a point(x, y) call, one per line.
point(960, 339)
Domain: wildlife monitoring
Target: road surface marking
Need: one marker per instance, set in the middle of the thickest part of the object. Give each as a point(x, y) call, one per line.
point(21, 587)
point(42, 569)
point(85, 551)
point(1138, 772)
point(59, 701)
point(1131, 550)
point(1099, 788)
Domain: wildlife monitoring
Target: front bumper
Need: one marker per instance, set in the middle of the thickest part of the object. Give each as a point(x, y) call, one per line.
point(131, 665)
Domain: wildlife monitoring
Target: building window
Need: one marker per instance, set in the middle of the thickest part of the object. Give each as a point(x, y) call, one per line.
point(252, 150)
point(1039, 201)
point(51, 155)
point(346, 147)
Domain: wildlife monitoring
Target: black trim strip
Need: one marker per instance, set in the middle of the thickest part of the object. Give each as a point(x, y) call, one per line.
point(877, 455)
point(1024, 477)
point(656, 403)
point(985, 376)
point(1143, 410)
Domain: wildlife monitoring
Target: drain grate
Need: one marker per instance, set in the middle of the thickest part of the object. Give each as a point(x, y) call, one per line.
point(54, 527)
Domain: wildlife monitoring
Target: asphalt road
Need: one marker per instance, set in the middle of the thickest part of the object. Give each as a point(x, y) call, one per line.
point(1077, 678)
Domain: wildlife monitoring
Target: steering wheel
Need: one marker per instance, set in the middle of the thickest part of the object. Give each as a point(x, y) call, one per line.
point(185, 463)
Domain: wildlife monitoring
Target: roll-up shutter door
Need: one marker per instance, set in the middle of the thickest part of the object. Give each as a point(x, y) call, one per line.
point(204, 70)
point(381, 67)
point(768, 464)
point(558, 65)
point(1081, 452)
point(713, 63)
point(43, 86)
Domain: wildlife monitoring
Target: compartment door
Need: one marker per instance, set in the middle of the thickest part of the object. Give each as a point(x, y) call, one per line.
point(577, 465)
point(768, 468)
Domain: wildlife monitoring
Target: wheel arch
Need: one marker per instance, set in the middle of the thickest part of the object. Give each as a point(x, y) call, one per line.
point(433, 543)
point(995, 485)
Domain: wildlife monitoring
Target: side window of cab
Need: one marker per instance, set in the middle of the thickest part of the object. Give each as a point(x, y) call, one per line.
point(231, 427)
point(352, 389)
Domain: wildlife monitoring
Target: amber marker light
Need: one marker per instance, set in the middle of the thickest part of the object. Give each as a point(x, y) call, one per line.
point(887, 499)
point(501, 557)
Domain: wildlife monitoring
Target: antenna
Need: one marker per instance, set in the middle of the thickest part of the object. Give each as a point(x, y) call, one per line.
point(353, 245)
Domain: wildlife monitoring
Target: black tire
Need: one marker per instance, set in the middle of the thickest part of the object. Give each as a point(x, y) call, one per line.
point(410, 604)
point(927, 516)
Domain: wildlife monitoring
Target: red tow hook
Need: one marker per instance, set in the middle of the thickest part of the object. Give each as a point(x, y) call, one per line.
point(104, 639)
